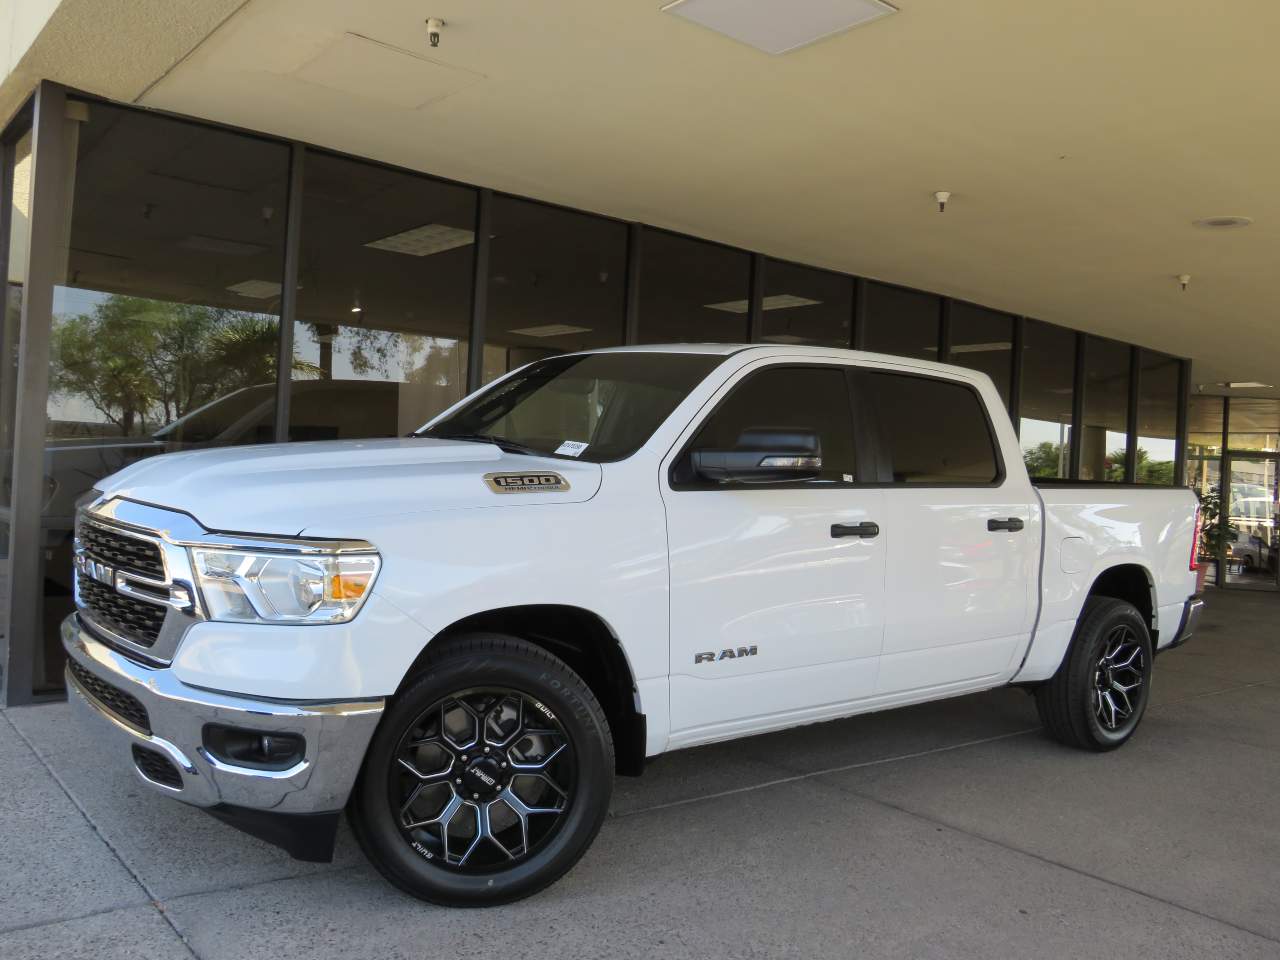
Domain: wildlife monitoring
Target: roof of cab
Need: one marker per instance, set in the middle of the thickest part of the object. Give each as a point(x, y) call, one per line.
point(785, 350)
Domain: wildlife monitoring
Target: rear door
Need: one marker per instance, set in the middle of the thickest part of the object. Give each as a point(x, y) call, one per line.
point(962, 534)
point(776, 606)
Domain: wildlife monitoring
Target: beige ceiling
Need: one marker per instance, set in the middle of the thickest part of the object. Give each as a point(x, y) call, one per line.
point(1079, 139)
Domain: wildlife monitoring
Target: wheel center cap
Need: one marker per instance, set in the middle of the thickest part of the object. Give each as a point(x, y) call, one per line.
point(484, 777)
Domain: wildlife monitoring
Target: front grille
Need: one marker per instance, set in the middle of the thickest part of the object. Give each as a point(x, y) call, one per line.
point(156, 767)
point(121, 551)
point(136, 620)
point(124, 705)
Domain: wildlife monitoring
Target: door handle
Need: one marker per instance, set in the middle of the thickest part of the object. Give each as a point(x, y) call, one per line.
point(1013, 524)
point(866, 530)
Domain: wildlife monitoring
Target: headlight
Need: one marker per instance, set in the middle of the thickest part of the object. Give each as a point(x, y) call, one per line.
point(247, 586)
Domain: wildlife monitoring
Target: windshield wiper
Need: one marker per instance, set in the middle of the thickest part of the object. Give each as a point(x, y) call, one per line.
point(507, 446)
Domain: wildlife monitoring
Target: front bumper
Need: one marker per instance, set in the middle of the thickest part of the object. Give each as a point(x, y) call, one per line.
point(335, 734)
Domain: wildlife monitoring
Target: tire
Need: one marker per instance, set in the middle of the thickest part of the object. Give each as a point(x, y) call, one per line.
point(523, 806)
point(1098, 696)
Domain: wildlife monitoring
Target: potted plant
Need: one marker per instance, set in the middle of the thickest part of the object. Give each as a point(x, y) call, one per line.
point(1212, 536)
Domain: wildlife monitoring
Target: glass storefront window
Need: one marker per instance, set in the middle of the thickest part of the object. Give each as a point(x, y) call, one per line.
point(384, 300)
point(1157, 417)
point(16, 197)
point(557, 283)
point(166, 322)
point(1204, 440)
point(1255, 424)
point(804, 305)
point(692, 291)
point(900, 321)
point(1104, 436)
point(982, 339)
point(1048, 387)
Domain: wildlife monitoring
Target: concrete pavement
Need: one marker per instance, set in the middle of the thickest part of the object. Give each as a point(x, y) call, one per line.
point(953, 829)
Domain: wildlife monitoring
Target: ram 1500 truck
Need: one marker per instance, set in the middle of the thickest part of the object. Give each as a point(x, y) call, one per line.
point(459, 636)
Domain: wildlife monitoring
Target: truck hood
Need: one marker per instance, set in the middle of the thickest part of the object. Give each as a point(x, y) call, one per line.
point(281, 489)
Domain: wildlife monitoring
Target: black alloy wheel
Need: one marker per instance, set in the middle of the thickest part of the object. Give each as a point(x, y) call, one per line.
point(1098, 696)
point(483, 779)
point(488, 777)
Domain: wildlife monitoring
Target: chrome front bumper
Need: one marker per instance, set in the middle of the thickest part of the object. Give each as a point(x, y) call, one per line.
point(336, 734)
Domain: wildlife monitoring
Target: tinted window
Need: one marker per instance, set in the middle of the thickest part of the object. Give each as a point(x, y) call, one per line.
point(786, 398)
point(1048, 386)
point(803, 305)
point(596, 406)
point(556, 283)
point(692, 291)
point(384, 299)
point(901, 322)
point(932, 431)
point(1104, 435)
point(982, 340)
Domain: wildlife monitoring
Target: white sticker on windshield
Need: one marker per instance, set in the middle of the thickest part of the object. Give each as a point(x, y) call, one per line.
point(571, 448)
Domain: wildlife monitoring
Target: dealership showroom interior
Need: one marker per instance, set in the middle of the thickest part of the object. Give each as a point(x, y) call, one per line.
point(693, 478)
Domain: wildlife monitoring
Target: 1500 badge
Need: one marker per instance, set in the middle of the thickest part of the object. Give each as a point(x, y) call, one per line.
point(526, 482)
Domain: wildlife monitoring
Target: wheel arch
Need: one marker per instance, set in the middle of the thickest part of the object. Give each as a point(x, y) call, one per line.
point(1133, 583)
point(586, 643)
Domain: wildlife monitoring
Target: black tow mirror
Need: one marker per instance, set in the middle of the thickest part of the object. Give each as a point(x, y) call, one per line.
point(763, 455)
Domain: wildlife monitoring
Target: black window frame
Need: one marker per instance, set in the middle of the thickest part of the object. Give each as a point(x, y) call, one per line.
point(864, 463)
point(863, 403)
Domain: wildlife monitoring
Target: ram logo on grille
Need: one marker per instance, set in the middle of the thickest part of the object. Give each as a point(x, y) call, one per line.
point(96, 570)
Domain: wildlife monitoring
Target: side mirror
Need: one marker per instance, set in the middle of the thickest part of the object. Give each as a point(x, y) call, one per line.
point(763, 455)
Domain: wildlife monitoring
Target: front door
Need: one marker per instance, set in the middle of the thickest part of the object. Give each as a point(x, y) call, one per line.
point(963, 537)
point(776, 589)
point(1251, 510)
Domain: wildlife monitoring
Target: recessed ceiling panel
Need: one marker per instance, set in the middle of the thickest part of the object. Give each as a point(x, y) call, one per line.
point(778, 26)
point(378, 71)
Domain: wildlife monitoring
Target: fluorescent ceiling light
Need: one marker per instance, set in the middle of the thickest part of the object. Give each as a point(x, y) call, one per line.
point(779, 26)
point(258, 289)
point(424, 240)
point(235, 248)
point(977, 347)
point(550, 330)
point(779, 301)
point(1246, 385)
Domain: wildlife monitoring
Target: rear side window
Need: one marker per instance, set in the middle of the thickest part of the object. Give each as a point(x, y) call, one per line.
point(783, 398)
point(931, 431)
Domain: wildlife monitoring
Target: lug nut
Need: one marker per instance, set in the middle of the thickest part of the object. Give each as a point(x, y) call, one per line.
point(486, 749)
point(464, 758)
point(475, 796)
point(504, 766)
point(459, 780)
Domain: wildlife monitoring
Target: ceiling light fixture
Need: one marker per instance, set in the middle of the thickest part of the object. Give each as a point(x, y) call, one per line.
point(1184, 280)
point(779, 301)
point(550, 330)
point(257, 289)
point(942, 196)
point(1222, 223)
point(425, 240)
point(779, 26)
point(1246, 385)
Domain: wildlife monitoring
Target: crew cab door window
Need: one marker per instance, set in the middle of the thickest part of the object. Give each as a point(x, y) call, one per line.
point(960, 596)
point(932, 431)
point(783, 399)
point(776, 604)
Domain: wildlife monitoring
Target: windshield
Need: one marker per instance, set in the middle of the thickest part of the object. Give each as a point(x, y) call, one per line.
point(596, 406)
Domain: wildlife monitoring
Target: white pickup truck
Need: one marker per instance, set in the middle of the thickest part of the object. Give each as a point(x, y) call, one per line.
point(459, 636)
